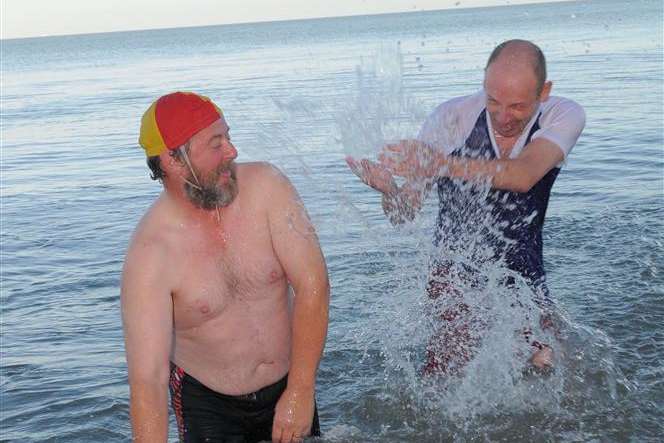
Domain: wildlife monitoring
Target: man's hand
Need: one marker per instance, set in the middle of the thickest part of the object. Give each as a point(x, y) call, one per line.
point(293, 416)
point(543, 358)
point(411, 159)
point(399, 204)
point(373, 174)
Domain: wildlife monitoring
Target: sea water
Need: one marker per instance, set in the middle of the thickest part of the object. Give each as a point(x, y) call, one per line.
point(303, 95)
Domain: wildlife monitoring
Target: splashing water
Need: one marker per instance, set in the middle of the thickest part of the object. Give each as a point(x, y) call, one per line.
point(495, 393)
point(380, 111)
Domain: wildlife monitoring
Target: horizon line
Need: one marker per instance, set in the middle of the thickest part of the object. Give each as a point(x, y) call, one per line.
point(453, 7)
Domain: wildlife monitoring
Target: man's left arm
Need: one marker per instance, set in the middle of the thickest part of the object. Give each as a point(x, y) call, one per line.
point(561, 128)
point(296, 245)
point(415, 160)
point(518, 175)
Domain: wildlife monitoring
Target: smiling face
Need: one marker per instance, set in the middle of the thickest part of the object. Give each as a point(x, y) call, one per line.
point(512, 93)
point(211, 182)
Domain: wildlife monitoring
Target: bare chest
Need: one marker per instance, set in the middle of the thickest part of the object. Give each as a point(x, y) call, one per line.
point(228, 276)
point(505, 146)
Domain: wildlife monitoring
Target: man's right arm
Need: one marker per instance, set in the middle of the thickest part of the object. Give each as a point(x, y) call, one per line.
point(446, 128)
point(147, 316)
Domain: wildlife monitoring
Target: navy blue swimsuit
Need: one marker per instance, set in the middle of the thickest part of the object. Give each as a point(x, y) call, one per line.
point(519, 217)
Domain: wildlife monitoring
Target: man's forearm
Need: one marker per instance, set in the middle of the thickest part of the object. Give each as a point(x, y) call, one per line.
point(507, 174)
point(310, 319)
point(421, 161)
point(149, 412)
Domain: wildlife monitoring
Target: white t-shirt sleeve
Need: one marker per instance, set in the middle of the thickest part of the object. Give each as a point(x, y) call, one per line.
point(448, 126)
point(561, 122)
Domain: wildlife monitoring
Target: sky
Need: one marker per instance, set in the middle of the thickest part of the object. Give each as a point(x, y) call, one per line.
point(35, 18)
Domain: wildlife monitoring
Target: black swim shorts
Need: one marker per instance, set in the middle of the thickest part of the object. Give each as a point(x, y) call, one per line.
point(204, 415)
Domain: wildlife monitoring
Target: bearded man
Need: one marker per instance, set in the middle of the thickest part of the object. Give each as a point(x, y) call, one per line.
point(206, 305)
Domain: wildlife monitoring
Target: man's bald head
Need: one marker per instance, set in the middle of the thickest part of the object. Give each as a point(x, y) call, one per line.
point(517, 52)
point(515, 84)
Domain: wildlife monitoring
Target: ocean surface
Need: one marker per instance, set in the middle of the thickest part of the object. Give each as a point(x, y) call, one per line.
point(302, 95)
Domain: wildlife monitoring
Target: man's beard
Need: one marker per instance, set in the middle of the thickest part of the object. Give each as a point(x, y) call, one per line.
point(212, 194)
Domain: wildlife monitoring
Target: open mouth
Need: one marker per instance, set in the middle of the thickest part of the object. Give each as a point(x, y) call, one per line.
point(225, 176)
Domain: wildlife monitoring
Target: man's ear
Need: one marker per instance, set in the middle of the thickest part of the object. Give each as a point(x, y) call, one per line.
point(546, 90)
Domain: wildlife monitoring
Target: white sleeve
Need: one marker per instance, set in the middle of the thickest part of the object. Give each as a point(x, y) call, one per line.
point(562, 123)
point(446, 128)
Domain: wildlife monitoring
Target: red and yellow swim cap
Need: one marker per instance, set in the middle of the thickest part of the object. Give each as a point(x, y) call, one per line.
point(173, 119)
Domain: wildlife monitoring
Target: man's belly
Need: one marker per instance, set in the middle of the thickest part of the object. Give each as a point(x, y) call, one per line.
point(237, 352)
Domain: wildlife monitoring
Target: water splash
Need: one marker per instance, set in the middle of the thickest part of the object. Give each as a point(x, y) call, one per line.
point(380, 111)
point(494, 393)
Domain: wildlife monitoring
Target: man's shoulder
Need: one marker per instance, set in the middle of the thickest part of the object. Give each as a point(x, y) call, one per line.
point(562, 120)
point(259, 169)
point(261, 175)
point(560, 104)
point(458, 113)
point(271, 187)
point(153, 237)
point(448, 126)
point(463, 104)
point(562, 112)
point(150, 265)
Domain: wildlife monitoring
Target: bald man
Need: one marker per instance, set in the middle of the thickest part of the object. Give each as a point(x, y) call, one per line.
point(512, 133)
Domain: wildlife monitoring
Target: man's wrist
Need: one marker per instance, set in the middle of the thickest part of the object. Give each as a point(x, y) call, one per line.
point(440, 165)
point(391, 192)
point(301, 387)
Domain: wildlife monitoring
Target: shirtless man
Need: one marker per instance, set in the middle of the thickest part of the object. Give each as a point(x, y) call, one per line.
point(205, 290)
point(512, 132)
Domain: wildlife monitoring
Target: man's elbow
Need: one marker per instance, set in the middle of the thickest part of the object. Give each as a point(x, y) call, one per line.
point(522, 180)
point(154, 380)
point(322, 291)
point(314, 296)
point(523, 185)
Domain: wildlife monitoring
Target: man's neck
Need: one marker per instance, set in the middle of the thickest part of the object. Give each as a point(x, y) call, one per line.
point(188, 210)
point(505, 144)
